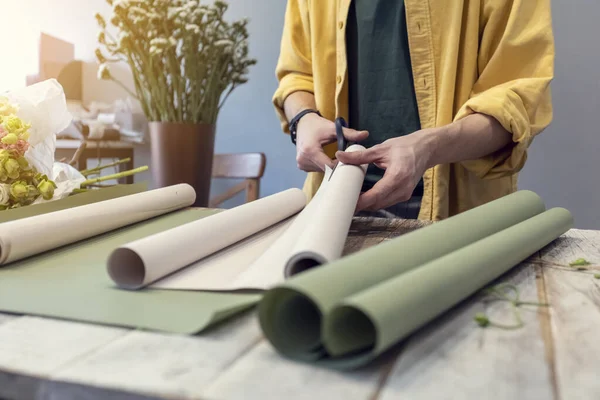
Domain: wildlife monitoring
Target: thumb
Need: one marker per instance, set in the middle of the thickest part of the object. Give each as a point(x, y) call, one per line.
point(355, 136)
point(356, 157)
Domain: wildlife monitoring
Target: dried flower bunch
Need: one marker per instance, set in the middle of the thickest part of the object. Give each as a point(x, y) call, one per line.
point(20, 183)
point(185, 58)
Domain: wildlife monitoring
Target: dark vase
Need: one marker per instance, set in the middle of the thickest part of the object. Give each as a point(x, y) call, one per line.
point(183, 153)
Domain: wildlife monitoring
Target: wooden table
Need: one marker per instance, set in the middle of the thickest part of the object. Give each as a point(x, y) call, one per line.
point(556, 355)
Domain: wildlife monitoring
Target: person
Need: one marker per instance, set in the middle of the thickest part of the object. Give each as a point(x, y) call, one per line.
point(445, 96)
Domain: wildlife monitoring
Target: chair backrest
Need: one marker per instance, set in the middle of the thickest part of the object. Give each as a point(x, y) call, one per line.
point(247, 166)
point(241, 165)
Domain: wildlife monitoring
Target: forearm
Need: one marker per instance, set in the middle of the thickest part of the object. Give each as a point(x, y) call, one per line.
point(297, 102)
point(470, 138)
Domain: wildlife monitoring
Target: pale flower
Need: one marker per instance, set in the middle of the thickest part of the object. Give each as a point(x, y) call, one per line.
point(223, 43)
point(192, 28)
point(12, 168)
point(6, 108)
point(4, 194)
point(159, 42)
point(103, 72)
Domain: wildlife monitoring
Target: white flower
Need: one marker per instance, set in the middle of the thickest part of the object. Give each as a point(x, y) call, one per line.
point(223, 43)
point(159, 42)
point(172, 41)
point(120, 3)
point(138, 10)
point(192, 4)
point(4, 194)
point(193, 28)
point(123, 37)
point(103, 72)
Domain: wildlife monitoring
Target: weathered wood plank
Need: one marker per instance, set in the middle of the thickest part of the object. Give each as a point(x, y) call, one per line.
point(263, 374)
point(453, 358)
point(367, 232)
point(169, 366)
point(575, 313)
point(32, 347)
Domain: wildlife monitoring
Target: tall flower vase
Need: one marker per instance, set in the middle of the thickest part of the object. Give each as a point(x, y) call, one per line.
point(183, 153)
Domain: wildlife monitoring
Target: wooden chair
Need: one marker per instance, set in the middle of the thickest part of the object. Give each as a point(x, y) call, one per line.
point(247, 166)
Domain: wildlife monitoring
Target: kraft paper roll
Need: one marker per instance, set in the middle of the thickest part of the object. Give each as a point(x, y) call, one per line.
point(144, 261)
point(259, 245)
point(323, 238)
point(312, 296)
point(71, 283)
point(77, 200)
point(29, 236)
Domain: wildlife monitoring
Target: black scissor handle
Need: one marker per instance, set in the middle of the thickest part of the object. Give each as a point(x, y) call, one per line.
point(342, 142)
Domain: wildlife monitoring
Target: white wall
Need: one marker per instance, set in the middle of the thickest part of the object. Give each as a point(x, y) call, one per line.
point(563, 161)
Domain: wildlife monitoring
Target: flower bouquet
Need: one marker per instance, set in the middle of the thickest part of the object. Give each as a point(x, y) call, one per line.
point(30, 118)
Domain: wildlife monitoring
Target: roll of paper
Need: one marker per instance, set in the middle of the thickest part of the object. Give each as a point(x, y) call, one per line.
point(33, 235)
point(371, 321)
point(259, 244)
point(292, 314)
point(323, 238)
point(144, 261)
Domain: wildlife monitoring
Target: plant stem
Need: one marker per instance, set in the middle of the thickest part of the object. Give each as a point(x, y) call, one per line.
point(94, 170)
point(114, 176)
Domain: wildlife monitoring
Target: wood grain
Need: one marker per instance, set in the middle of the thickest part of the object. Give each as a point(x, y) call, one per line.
point(274, 378)
point(453, 358)
point(555, 356)
point(32, 348)
point(169, 366)
point(575, 313)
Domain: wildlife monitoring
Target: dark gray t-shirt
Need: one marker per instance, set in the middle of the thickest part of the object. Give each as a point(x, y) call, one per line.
point(381, 89)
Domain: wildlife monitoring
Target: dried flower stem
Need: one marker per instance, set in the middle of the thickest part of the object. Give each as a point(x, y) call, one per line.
point(114, 176)
point(97, 169)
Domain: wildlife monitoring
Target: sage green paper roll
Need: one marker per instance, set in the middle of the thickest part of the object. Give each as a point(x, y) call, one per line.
point(290, 314)
point(371, 321)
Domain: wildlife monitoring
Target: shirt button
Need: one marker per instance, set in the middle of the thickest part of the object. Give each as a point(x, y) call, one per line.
point(341, 24)
point(339, 79)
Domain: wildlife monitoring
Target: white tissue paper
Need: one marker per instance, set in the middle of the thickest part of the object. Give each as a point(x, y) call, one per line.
point(44, 106)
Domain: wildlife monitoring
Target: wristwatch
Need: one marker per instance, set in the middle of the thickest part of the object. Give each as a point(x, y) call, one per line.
point(294, 122)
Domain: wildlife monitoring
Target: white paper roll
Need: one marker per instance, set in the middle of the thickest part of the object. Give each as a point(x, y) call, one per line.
point(30, 236)
point(323, 240)
point(144, 261)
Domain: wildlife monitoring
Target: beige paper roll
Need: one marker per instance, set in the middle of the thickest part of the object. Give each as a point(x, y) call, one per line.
point(323, 239)
point(30, 236)
point(144, 261)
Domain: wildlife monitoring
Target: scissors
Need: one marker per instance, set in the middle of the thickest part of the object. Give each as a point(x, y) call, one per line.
point(342, 142)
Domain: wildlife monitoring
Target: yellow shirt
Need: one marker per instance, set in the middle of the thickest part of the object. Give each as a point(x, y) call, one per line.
point(494, 57)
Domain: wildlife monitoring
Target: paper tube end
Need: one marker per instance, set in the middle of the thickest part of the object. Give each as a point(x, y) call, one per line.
point(126, 268)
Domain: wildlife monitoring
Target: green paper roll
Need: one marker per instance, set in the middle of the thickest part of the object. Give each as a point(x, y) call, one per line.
point(371, 321)
point(291, 314)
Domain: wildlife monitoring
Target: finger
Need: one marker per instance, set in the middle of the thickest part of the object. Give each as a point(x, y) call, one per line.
point(375, 198)
point(358, 157)
point(354, 135)
point(320, 160)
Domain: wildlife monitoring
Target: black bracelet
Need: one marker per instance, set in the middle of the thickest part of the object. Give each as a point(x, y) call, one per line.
point(294, 122)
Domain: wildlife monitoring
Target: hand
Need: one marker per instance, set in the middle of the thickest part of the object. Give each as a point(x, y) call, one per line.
point(313, 133)
point(404, 160)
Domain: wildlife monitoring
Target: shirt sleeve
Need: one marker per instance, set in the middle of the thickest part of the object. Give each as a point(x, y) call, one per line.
point(516, 66)
point(294, 67)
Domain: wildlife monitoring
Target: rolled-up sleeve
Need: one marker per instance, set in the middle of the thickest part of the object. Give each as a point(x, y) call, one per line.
point(294, 67)
point(516, 66)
